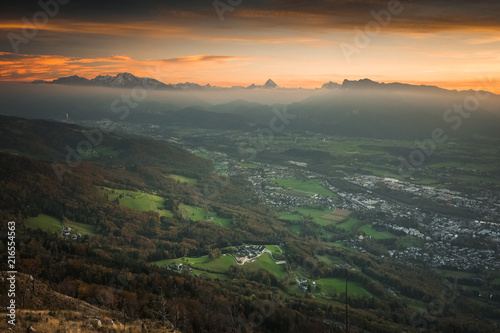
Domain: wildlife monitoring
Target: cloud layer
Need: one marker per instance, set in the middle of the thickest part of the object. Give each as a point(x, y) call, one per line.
point(295, 42)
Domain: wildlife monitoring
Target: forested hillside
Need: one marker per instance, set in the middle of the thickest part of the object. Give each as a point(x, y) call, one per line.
point(132, 203)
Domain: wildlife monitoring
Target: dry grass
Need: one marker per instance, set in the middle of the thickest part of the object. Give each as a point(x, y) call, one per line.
point(50, 311)
point(74, 322)
point(341, 212)
point(335, 218)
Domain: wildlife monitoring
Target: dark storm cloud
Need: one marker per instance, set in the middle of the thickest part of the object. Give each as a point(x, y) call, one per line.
point(417, 14)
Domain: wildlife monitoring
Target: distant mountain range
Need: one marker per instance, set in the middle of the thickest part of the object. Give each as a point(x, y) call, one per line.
point(362, 108)
point(128, 80)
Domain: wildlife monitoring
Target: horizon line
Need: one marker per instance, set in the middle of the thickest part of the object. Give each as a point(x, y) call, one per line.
point(415, 84)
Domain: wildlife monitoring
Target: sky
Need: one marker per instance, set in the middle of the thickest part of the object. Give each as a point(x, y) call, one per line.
point(451, 44)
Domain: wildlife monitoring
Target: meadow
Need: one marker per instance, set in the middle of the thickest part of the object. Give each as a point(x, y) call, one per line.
point(137, 200)
point(276, 251)
point(266, 262)
point(369, 231)
point(221, 265)
point(51, 224)
point(102, 151)
point(199, 214)
point(350, 224)
point(183, 179)
point(333, 286)
point(218, 265)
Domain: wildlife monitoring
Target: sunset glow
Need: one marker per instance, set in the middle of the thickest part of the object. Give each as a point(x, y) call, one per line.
point(296, 46)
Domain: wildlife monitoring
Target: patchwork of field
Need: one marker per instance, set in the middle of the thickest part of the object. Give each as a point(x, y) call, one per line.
point(477, 163)
point(337, 215)
point(51, 224)
point(335, 218)
point(221, 265)
point(322, 217)
point(344, 147)
point(316, 214)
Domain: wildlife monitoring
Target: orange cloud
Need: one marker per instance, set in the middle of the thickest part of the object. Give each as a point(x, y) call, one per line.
point(14, 67)
point(215, 69)
point(151, 29)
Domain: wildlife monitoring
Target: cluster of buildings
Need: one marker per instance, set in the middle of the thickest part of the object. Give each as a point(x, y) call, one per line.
point(443, 255)
point(437, 232)
point(485, 206)
point(66, 232)
point(246, 253)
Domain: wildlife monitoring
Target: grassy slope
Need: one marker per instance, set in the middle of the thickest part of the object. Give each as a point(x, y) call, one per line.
point(317, 215)
point(138, 201)
point(266, 262)
point(198, 214)
point(183, 179)
point(331, 286)
point(222, 264)
point(349, 224)
point(368, 229)
point(52, 224)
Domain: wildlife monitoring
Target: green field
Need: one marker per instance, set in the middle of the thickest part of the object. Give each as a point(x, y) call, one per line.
point(331, 259)
point(343, 147)
point(202, 154)
point(199, 214)
point(349, 224)
point(368, 229)
point(276, 251)
point(266, 262)
point(248, 165)
point(208, 275)
point(51, 224)
point(303, 187)
point(317, 214)
point(167, 262)
point(495, 282)
point(332, 286)
point(219, 265)
point(453, 274)
point(137, 200)
point(193, 213)
point(183, 179)
point(222, 264)
point(102, 151)
point(342, 245)
point(290, 216)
